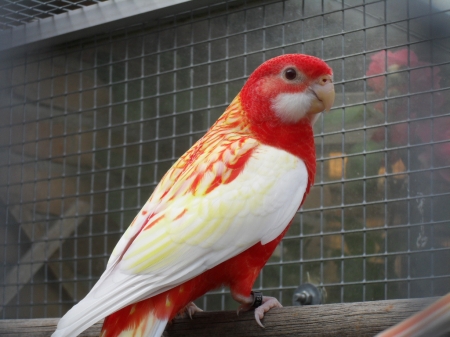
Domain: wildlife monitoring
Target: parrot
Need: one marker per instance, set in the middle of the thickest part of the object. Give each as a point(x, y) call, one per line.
point(220, 211)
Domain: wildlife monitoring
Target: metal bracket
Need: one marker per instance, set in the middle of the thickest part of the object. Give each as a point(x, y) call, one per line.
point(308, 294)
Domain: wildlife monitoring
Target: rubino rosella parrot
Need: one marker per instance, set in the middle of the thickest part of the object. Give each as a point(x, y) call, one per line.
point(219, 212)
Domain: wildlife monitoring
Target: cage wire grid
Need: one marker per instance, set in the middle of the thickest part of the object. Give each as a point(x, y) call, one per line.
point(19, 12)
point(88, 129)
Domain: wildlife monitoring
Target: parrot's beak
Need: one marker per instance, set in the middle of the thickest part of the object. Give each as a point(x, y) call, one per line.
point(323, 89)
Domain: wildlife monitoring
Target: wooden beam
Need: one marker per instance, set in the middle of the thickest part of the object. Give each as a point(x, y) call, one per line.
point(43, 327)
point(39, 252)
point(330, 320)
point(36, 231)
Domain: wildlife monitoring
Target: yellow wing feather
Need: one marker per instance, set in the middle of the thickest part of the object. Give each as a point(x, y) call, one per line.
point(212, 161)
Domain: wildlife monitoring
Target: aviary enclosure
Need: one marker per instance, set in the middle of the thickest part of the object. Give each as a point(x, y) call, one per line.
point(91, 120)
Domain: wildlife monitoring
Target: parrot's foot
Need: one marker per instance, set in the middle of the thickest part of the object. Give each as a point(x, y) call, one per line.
point(190, 310)
point(267, 304)
point(262, 304)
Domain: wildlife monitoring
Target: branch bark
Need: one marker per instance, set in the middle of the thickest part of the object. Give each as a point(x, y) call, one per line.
point(330, 320)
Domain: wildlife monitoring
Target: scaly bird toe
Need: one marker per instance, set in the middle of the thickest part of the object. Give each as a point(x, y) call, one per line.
point(261, 304)
point(190, 310)
point(267, 304)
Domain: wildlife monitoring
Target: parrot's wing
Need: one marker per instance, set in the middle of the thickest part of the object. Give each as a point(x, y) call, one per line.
point(214, 203)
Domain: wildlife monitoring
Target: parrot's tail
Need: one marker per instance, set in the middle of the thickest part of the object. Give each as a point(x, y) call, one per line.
point(136, 320)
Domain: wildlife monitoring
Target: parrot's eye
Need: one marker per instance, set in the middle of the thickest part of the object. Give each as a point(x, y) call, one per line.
point(290, 74)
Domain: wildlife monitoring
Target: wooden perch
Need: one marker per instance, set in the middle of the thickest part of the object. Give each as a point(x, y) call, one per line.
point(346, 319)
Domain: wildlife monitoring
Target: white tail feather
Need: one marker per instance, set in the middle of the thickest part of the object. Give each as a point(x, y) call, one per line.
point(81, 317)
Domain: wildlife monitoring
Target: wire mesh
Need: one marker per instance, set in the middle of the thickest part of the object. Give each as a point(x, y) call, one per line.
point(18, 12)
point(89, 128)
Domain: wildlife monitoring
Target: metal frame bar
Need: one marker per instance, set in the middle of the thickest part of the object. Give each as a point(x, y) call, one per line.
point(19, 12)
point(80, 23)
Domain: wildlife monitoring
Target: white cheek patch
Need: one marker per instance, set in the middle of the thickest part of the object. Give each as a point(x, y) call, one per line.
point(291, 107)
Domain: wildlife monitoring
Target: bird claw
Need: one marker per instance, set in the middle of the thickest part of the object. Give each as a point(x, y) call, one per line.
point(258, 320)
point(267, 304)
point(190, 310)
point(244, 307)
